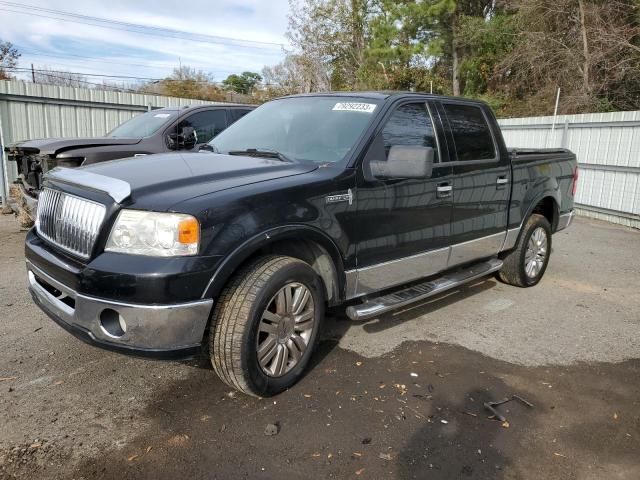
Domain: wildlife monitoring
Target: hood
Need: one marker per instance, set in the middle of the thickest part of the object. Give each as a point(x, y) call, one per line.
point(53, 146)
point(159, 181)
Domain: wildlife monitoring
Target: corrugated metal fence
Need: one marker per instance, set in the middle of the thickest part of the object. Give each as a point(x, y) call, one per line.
point(29, 111)
point(607, 144)
point(608, 150)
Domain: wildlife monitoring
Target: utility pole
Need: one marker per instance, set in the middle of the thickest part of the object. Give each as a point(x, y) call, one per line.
point(33, 74)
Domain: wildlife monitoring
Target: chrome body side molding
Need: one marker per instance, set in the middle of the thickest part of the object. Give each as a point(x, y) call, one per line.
point(474, 249)
point(117, 189)
point(396, 272)
point(368, 280)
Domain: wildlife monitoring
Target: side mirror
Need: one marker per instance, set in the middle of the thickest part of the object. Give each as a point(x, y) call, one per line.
point(205, 147)
point(186, 138)
point(405, 161)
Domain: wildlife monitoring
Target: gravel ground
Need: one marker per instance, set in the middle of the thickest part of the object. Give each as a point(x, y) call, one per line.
point(399, 397)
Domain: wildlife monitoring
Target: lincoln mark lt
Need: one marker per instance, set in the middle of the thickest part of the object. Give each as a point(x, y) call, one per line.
point(366, 200)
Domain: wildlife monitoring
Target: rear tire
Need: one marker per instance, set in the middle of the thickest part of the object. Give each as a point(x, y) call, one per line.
point(525, 265)
point(265, 325)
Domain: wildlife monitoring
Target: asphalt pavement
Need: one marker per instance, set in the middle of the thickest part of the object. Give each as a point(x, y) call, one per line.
point(397, 397)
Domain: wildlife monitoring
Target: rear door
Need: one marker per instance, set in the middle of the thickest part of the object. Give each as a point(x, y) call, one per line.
point(403, 224)
point(480, 181)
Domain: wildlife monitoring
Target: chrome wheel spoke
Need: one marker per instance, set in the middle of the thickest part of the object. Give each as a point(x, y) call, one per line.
point(267, 350)
point(296, 346)
point(281, 302)
point(280, 362)
point(300, 300)
point(271, 317)
point(270, 328)
point(305, 321)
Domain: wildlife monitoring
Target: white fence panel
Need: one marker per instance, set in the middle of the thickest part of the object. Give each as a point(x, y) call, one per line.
point(608, 149)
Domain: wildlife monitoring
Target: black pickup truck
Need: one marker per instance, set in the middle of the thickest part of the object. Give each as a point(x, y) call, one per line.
point(367, 200)
point(157, 131)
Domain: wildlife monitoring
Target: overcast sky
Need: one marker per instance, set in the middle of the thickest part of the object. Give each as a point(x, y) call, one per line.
point(59, 44)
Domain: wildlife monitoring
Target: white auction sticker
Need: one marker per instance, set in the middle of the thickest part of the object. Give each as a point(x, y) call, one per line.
point(355, 107)
point(162, 115)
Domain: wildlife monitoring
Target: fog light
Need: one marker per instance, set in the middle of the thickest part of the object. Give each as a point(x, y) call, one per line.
point(112, 323)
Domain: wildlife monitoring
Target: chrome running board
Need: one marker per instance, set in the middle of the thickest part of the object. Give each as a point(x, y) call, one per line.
point(400, 298)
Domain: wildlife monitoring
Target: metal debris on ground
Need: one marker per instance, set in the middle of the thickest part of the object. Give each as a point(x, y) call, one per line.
point(497, 415)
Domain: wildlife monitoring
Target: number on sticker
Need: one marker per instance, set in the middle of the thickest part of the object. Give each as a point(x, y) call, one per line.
point(355, 107)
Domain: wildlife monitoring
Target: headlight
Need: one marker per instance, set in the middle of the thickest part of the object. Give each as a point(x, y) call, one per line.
point(154, 234)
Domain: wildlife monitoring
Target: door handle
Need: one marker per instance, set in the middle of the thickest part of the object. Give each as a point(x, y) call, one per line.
point(502, 181)
point(443, 190)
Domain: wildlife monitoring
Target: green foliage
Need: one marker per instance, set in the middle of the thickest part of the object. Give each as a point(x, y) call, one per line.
point(513, 53)
point(243, 83)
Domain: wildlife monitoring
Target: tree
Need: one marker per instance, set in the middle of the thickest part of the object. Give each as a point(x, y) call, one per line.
point(588, 48)
point(62, 78)
point(295, 74)
point(9, 56)
point(332, 34)
point(243, 83)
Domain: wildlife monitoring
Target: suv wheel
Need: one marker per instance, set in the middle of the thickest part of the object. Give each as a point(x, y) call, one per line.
point(525, 265)
point(265, 325)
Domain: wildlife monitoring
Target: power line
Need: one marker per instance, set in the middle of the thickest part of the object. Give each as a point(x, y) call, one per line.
point(40, 53)
point(135, 28)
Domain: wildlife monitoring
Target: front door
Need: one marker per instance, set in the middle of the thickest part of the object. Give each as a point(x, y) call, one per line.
point(481, 184)
point(403, 224)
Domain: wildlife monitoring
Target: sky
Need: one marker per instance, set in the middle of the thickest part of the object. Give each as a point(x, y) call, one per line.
point(253, 34)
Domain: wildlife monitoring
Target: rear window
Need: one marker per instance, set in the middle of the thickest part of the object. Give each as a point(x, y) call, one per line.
point(471, 133)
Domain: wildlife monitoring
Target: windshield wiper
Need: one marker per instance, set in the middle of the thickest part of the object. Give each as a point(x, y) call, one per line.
point(260, 152)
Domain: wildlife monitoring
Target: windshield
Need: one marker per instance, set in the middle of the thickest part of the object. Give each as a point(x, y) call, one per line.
point(144, 125)
point(320, 129)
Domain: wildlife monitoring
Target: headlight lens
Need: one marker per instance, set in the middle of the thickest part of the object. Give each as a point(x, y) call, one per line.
point(155, 234)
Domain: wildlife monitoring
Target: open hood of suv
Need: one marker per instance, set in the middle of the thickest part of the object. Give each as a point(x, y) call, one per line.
point(53, 146)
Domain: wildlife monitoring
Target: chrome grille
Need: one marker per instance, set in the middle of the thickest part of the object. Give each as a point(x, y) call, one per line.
point(69, 222)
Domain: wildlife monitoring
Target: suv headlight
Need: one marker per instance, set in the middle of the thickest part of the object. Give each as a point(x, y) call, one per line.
point(155, 234)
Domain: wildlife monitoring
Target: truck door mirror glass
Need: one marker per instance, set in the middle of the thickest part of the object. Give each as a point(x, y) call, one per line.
point(405, 161)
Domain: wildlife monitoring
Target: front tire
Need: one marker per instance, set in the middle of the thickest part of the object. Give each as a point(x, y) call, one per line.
point(525, 265)
point(265, 325)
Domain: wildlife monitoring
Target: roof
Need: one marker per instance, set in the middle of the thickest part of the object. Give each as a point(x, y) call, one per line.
point(380, 95)
point(204, 105)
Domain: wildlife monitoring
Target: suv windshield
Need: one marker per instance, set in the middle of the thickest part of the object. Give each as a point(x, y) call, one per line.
point(320, 129)
point(144, 125)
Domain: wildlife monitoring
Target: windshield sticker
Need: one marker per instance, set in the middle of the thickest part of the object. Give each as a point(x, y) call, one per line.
point(355, 107)
point(162, 115)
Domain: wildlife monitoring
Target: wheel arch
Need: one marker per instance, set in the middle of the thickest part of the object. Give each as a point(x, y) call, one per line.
point(299, 241)
point(546, 205)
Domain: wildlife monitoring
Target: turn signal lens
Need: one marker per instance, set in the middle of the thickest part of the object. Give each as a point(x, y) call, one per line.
point(188, 231)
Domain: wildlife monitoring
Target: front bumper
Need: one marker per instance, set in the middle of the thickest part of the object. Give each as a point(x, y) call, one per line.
point(141, 329)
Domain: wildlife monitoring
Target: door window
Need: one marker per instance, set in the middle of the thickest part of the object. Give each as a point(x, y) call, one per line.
point(410, 124)
point(237, 114)
point(206, 124)
point(471, 133)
